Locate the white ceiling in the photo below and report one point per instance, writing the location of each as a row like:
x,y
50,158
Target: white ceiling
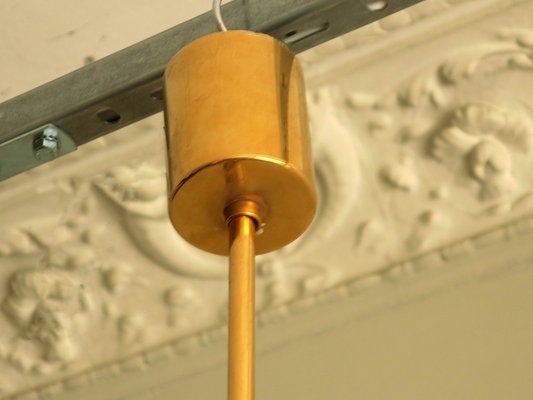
x,y
41,41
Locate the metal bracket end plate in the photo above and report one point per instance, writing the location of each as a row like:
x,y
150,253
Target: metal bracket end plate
x,y
34,148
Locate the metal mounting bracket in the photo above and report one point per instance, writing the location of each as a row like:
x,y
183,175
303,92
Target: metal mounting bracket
x,y
127,86
32,149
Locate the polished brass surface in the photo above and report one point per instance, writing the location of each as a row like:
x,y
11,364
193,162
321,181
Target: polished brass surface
x,y
251,207
241,308
239,165
237,129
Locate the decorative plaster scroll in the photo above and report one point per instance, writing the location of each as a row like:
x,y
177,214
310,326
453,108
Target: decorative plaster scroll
x,y
397,33
485,136
484,133
141,192
401,174
389,275
337,168
47,306
383,28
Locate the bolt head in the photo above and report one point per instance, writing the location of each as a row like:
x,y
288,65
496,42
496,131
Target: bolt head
x,y
46,144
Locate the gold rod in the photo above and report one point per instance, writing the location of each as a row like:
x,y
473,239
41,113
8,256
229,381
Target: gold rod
x,y
241,376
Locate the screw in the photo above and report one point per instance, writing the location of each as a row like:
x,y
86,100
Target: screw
x,y
46,144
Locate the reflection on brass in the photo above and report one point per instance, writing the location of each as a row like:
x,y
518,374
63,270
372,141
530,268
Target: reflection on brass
x,y
240,173
241,309
234,97
252,207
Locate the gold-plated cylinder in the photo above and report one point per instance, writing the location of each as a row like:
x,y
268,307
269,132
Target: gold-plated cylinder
x,y
237,130
241,309
239,165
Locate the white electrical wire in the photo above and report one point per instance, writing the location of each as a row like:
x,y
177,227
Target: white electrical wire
x,y
218,15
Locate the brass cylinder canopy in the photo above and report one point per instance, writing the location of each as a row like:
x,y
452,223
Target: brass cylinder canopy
x,y
237,129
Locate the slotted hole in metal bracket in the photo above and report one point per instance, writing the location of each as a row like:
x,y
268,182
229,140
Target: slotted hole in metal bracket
x,y
108,115
297,35
376,5
157,94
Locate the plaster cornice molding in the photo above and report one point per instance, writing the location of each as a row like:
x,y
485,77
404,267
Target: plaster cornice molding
x,y
383,39
427,275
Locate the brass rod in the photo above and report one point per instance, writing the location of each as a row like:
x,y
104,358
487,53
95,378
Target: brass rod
x,y
241,377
